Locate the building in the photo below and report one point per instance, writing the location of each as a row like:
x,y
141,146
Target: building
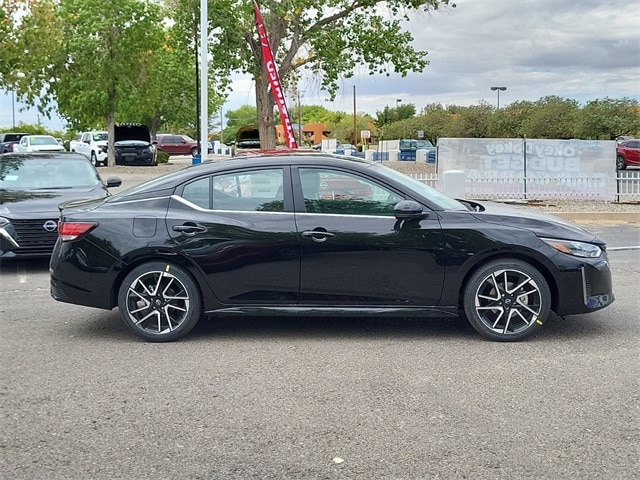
x,y
312,133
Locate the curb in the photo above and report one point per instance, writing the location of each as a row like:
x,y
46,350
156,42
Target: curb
x,y
599,217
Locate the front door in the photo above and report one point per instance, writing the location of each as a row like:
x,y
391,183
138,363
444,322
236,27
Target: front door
x,y
354,250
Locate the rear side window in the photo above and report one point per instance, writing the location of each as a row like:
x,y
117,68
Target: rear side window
x,y
258,190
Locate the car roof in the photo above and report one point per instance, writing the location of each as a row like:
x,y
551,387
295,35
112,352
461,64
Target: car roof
x,y
250,160
41,155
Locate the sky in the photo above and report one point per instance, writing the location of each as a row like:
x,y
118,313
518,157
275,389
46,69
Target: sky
x,y
578,49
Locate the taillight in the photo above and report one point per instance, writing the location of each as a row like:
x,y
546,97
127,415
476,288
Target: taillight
x,y
69,231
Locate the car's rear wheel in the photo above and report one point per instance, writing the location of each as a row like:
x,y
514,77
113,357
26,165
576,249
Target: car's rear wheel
x,y
621,164
159,301
194,152
507,300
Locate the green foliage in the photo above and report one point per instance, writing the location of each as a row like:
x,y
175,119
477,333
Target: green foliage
x,y
245,115
30,129
608,118
163,157
323,38
553,117
395,114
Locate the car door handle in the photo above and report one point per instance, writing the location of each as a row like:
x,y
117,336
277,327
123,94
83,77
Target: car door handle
x,y
189,228
318,235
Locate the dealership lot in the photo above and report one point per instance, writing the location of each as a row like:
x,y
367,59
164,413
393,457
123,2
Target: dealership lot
x,y
317,398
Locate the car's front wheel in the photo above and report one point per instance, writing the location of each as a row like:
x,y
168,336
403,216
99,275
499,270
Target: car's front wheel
x,y
507,300
159,301
621,164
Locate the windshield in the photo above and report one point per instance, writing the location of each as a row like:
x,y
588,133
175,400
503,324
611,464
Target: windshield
x,y
49,173
441,200
423,144
43,141
100,136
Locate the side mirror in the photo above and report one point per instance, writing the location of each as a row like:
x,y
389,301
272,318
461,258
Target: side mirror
x,y
408,210
114,182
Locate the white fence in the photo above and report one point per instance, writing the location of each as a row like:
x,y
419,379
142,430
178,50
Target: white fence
x,y
625,184
531,169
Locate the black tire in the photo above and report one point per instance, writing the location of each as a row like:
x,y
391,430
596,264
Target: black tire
x,y
621,164
194,152
94,159
507,300
159,302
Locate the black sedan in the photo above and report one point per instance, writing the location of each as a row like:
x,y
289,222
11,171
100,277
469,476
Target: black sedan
x,y
310,234
32,185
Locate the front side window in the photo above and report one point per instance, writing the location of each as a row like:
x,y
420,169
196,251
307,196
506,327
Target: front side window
x,y
257,190
336,192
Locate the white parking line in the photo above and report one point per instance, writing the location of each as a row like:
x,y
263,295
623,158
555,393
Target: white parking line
x,y
22,273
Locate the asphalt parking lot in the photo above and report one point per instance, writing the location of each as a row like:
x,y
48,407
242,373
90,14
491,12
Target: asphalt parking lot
x,y
318,398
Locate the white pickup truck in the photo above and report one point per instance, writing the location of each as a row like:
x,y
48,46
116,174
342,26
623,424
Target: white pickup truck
x,y
92,144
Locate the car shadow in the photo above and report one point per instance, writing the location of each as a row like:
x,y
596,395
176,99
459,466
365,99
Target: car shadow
x,y
108,326
31,265
257,328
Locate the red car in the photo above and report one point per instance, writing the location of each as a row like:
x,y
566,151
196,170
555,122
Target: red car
x,y
628,154
177,145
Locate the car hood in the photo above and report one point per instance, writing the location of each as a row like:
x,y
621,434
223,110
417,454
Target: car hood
x,y
540,223
47,148
42,202
131,134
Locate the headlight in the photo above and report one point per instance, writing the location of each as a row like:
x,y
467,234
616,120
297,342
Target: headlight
x,y
577,249
4,222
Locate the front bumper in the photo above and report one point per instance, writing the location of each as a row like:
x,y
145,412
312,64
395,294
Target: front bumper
x,y
592,280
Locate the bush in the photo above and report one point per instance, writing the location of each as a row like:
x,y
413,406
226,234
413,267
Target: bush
x,y
163,157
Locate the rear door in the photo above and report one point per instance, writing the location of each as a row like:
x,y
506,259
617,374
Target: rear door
x,y
235,228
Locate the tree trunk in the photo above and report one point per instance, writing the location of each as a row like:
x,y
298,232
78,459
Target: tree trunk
x,y
111,128
265,105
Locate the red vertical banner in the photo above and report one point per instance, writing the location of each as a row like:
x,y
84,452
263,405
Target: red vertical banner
x,y
274,80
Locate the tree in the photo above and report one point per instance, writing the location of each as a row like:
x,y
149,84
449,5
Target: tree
x,y
90,58
324,37
395,114
609,118
552,117
109,51
473,121
245,115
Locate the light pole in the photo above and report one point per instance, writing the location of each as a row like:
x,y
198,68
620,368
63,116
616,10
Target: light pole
x,y
13,107
498,89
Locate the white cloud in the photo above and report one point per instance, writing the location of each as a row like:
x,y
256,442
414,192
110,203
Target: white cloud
x,y
579,49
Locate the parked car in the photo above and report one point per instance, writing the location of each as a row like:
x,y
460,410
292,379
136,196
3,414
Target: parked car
x,y
345,147
9,140
133,145
32,185
38,143
309,234
247,138
177,144
93,145
628,154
